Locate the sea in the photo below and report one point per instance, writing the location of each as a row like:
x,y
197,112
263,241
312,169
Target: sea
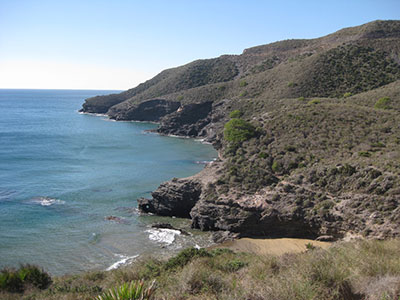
x,y
69,184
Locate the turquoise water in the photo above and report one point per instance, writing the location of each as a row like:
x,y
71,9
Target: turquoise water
x,y
63,173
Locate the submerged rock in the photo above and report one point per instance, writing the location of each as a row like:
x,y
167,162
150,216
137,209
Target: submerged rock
x,y
169,226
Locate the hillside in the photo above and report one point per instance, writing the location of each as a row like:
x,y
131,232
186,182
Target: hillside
x,y
307,131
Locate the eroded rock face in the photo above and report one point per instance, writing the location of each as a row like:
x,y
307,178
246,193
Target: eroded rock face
x,y
101,104
172,198
188,120
151,110
262,214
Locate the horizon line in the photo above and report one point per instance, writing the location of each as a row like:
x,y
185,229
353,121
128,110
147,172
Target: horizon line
x,y
64,89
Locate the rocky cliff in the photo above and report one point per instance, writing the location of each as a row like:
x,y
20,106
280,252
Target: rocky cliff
x,y
307,132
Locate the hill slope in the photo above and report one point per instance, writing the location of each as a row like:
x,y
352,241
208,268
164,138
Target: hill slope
x,y
309,150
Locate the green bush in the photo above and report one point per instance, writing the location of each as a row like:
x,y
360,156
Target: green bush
x,y
301,98
35,276
136,290
310,247
238,130
235,114
314,101
243,83
15,280
383,103
262,155
346,95
233,265
184,257
276,166
10,281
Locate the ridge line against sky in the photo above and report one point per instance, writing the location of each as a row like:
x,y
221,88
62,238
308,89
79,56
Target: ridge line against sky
x,y
119,44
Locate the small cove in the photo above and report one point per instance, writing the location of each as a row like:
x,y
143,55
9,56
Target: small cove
x,y
64,174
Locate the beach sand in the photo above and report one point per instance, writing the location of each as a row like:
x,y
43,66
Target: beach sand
x,y
271,246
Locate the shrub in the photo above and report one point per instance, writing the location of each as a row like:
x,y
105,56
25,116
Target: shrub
x,y
184,257
383,103
35,276
291,84
276,166
310,247
244,94
364,154
238,130
290,148
233,265
10,281
347,169
129,291
235,114
243,83
301,98
346,95
15,280
179,98
314,101
262,155
378,145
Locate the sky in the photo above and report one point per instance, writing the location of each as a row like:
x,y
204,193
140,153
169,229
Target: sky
x,y
117,44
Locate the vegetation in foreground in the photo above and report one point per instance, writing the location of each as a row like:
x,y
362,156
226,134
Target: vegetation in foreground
x,y
351,270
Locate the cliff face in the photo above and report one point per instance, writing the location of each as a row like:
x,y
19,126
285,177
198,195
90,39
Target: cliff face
x,y
315,154
151,110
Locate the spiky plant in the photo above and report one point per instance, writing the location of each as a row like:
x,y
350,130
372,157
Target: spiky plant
x,y
136,290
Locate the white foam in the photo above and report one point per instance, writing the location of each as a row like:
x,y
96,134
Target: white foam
x,y
124,261
203,162
163,235
91,114
47,201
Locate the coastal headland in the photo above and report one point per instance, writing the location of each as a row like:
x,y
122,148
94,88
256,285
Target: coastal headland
x,y
306,130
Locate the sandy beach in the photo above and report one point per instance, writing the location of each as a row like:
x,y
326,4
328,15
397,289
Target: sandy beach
x,y
271,246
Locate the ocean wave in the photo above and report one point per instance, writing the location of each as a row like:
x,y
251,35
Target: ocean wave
x,y
163,235
125,260
6,195
46,201
203,162
91,114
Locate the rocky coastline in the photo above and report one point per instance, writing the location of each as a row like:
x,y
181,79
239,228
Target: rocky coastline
x,y
313,159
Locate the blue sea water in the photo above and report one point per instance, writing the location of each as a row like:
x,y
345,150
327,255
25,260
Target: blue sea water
x,y
63,173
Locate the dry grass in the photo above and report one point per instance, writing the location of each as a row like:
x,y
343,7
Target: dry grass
x,y
351,270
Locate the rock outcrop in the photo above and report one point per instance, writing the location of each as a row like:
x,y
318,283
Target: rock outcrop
x,y
188,120
151,110
172,198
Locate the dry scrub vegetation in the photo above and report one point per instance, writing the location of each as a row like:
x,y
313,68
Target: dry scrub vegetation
x,y
346,270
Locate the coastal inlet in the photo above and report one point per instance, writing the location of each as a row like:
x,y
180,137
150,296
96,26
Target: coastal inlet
x,y
69,184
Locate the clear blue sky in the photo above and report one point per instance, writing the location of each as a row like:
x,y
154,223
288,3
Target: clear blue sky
x,y
117,44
